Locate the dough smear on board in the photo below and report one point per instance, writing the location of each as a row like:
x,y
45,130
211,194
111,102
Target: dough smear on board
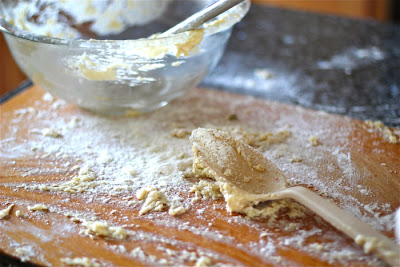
x,y
241,191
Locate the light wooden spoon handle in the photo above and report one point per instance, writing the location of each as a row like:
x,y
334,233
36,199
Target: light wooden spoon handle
x,y
362,233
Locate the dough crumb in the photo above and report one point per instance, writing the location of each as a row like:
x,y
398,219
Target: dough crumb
x,y
82,261
25,253
46,132
259,139
392,136
138,253
368,243
295,159
259,168
177,63
205,189
189,46
51,133
100,228
5,212
154,200
317,247
238,201
38,207
263,74
84,175
203,261
180,133
314,140
177,211
132,113
131,171
371,244
232,117
48,97
228,172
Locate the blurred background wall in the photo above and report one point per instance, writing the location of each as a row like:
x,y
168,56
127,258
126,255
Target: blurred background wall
x,y
375,9
381,10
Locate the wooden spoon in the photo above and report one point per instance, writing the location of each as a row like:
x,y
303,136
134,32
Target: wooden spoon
x,y
234,163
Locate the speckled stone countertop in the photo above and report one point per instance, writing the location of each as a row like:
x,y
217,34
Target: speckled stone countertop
x,y
340,65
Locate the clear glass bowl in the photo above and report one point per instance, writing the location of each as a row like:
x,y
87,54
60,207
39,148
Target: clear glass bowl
x,y
99,56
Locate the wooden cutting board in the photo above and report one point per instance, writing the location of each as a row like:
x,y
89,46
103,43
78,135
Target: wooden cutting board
x,y
45,141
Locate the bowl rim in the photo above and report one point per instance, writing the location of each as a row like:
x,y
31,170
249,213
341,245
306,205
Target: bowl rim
x,y
10,29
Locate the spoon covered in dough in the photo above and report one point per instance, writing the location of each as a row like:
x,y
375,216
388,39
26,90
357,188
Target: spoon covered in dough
x,y
247,178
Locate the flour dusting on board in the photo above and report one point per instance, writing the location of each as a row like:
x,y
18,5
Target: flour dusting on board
x,y
144,164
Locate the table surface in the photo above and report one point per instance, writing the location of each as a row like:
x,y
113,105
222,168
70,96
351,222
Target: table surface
x,y
44,141
339,65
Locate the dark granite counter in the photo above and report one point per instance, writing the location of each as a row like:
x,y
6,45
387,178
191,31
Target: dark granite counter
x,y
340,65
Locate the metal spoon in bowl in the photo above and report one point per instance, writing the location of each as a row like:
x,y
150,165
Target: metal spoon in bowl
x,y
200,17
233,162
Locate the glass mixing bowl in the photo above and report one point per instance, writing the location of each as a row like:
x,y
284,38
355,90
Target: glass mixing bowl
x,y
105,56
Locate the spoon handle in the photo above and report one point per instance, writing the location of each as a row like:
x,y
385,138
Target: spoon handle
x,y
201,17
362,233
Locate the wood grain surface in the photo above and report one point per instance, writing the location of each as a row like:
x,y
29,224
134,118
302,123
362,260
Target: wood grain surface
x,y
368,187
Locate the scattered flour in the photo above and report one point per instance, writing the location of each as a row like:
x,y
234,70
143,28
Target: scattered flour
x,y
120,157
25,253
78,184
